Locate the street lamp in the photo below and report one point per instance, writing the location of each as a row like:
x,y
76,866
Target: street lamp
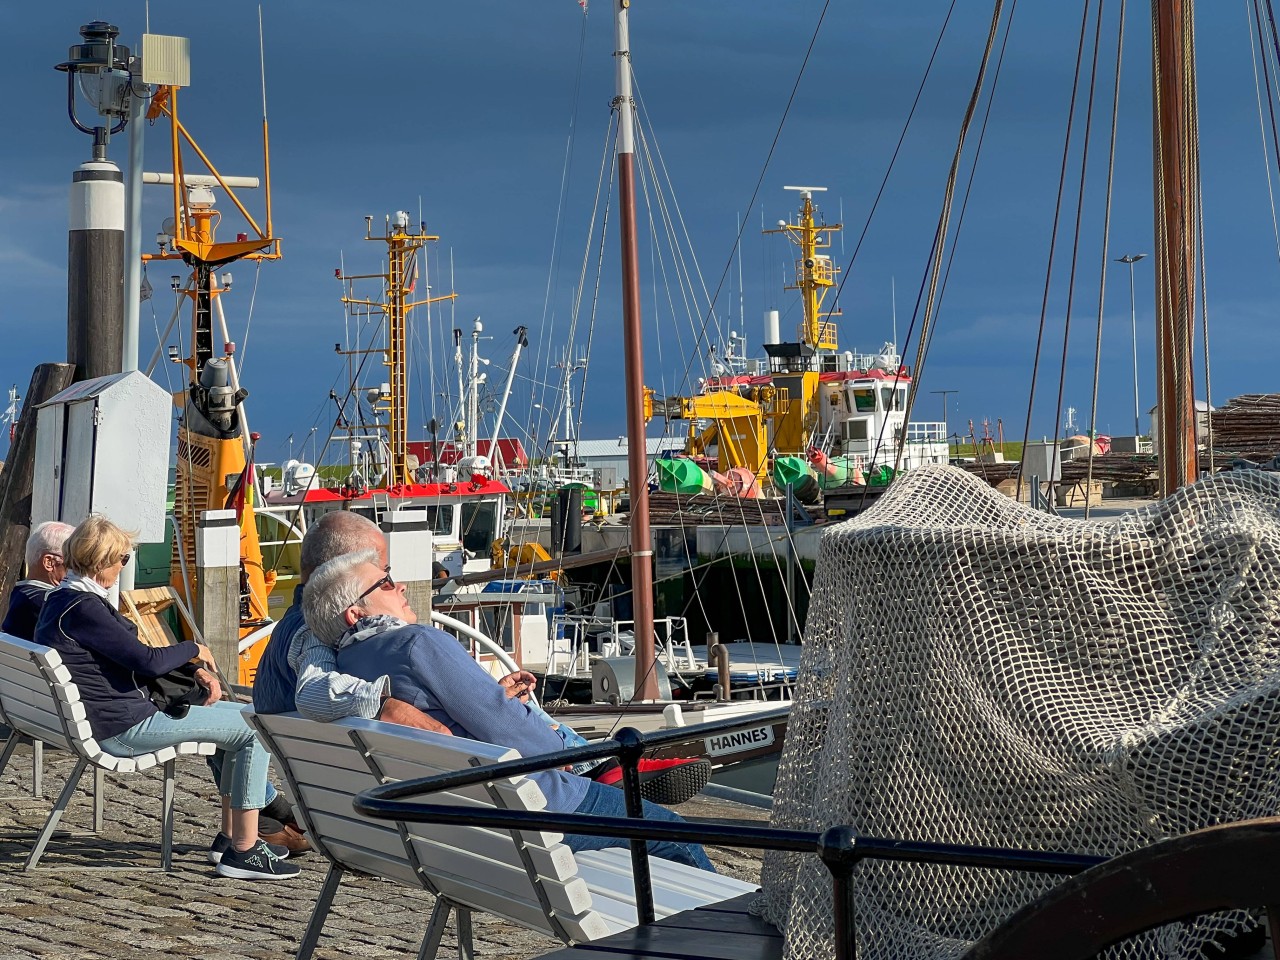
x,y
100,67
1131,259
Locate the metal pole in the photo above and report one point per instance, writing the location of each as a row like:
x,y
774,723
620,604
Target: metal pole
x,y
637,448
133,236
946,433
1131,259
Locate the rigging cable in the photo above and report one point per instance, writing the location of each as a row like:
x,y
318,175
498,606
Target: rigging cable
x,y
1106,237
1075,240
773,146
541,355
1254,48
1053,242
1199,225
935,269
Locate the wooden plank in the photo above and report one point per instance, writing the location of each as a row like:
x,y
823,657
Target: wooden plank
x,y
145,608
739,905
674,939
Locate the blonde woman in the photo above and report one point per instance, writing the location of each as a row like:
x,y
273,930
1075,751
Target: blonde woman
x,y
110,666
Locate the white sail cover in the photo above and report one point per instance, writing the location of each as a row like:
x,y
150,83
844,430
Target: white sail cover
x,y
975,672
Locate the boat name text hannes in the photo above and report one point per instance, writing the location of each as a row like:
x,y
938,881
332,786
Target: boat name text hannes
x,y
739,740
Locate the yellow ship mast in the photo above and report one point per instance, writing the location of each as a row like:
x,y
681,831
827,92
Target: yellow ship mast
x,y
815,273
399,282
214,465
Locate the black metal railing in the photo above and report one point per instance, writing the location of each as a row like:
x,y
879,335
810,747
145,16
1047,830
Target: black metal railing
x,y
840,849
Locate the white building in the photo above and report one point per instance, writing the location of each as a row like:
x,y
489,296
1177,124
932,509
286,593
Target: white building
x,y
612,454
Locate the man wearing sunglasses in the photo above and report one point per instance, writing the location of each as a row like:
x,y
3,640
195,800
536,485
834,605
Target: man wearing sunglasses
x,y
353,604
45,570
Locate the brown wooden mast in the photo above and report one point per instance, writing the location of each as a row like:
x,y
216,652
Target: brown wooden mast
x,y
637,449
1176,199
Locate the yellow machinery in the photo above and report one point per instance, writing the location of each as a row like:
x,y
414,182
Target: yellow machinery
x,y
737,427
737,424
215,453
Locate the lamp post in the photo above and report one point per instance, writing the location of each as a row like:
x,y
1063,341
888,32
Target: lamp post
x,y
1131,259
99,68
945,432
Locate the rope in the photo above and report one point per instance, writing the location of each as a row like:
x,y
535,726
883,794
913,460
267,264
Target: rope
x,y
935,269
1262,128
773,146
1106,256
1075,240
1053,243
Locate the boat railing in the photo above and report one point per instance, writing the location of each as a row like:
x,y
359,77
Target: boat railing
x,y
671,637
840,848
926,432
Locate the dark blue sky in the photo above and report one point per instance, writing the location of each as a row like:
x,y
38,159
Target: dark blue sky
x,y
465,108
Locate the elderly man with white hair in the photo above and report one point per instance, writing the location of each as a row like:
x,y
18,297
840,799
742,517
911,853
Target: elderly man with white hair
x,y
45,570
352,604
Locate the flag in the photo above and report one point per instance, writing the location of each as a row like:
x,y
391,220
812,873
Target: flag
x,y
411,275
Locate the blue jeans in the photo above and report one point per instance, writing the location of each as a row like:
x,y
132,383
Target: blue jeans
x,y
570,737
244,761
610,802
215,766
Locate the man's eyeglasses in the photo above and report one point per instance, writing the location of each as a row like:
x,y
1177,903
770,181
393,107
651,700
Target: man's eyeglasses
x,y
384,583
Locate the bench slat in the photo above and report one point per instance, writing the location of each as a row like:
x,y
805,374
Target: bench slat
x,y
355,857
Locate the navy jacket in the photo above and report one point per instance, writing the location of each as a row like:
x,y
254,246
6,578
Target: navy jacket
x,y
25,601
107,661
275,683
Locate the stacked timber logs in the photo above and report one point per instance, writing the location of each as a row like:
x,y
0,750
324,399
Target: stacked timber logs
x,y
1247,428
675,509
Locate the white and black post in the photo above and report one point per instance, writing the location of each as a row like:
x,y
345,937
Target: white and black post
x,y
95,270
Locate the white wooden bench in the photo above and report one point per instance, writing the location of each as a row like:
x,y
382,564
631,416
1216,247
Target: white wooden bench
x,y
41,702
530,878
11,744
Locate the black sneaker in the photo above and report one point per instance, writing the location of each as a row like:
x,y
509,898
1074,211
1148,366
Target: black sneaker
x,y
256,863
222,843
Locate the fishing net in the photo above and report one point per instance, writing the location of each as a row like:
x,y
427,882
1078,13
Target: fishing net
x,y
975,672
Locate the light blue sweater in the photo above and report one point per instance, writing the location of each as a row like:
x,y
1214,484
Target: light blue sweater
x,y
432,671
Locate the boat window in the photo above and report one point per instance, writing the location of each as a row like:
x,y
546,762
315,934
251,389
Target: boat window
x,y
479,526
887,397
856,429
902,398
864,401
440,517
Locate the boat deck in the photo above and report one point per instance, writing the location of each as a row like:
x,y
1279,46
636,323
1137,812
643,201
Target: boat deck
x,y
756,662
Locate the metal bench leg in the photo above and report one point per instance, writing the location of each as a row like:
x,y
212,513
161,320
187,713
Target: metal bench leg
x,y
166,818
10,745
320,912
99,791
466,950
435,929
63,799
37,768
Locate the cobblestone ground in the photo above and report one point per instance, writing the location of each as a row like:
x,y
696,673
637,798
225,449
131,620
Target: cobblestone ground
x,y
77,909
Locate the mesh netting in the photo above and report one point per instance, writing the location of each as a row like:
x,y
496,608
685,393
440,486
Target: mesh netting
x,y
975,672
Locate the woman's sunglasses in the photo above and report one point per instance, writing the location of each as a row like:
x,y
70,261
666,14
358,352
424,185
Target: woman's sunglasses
x,y
385,581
